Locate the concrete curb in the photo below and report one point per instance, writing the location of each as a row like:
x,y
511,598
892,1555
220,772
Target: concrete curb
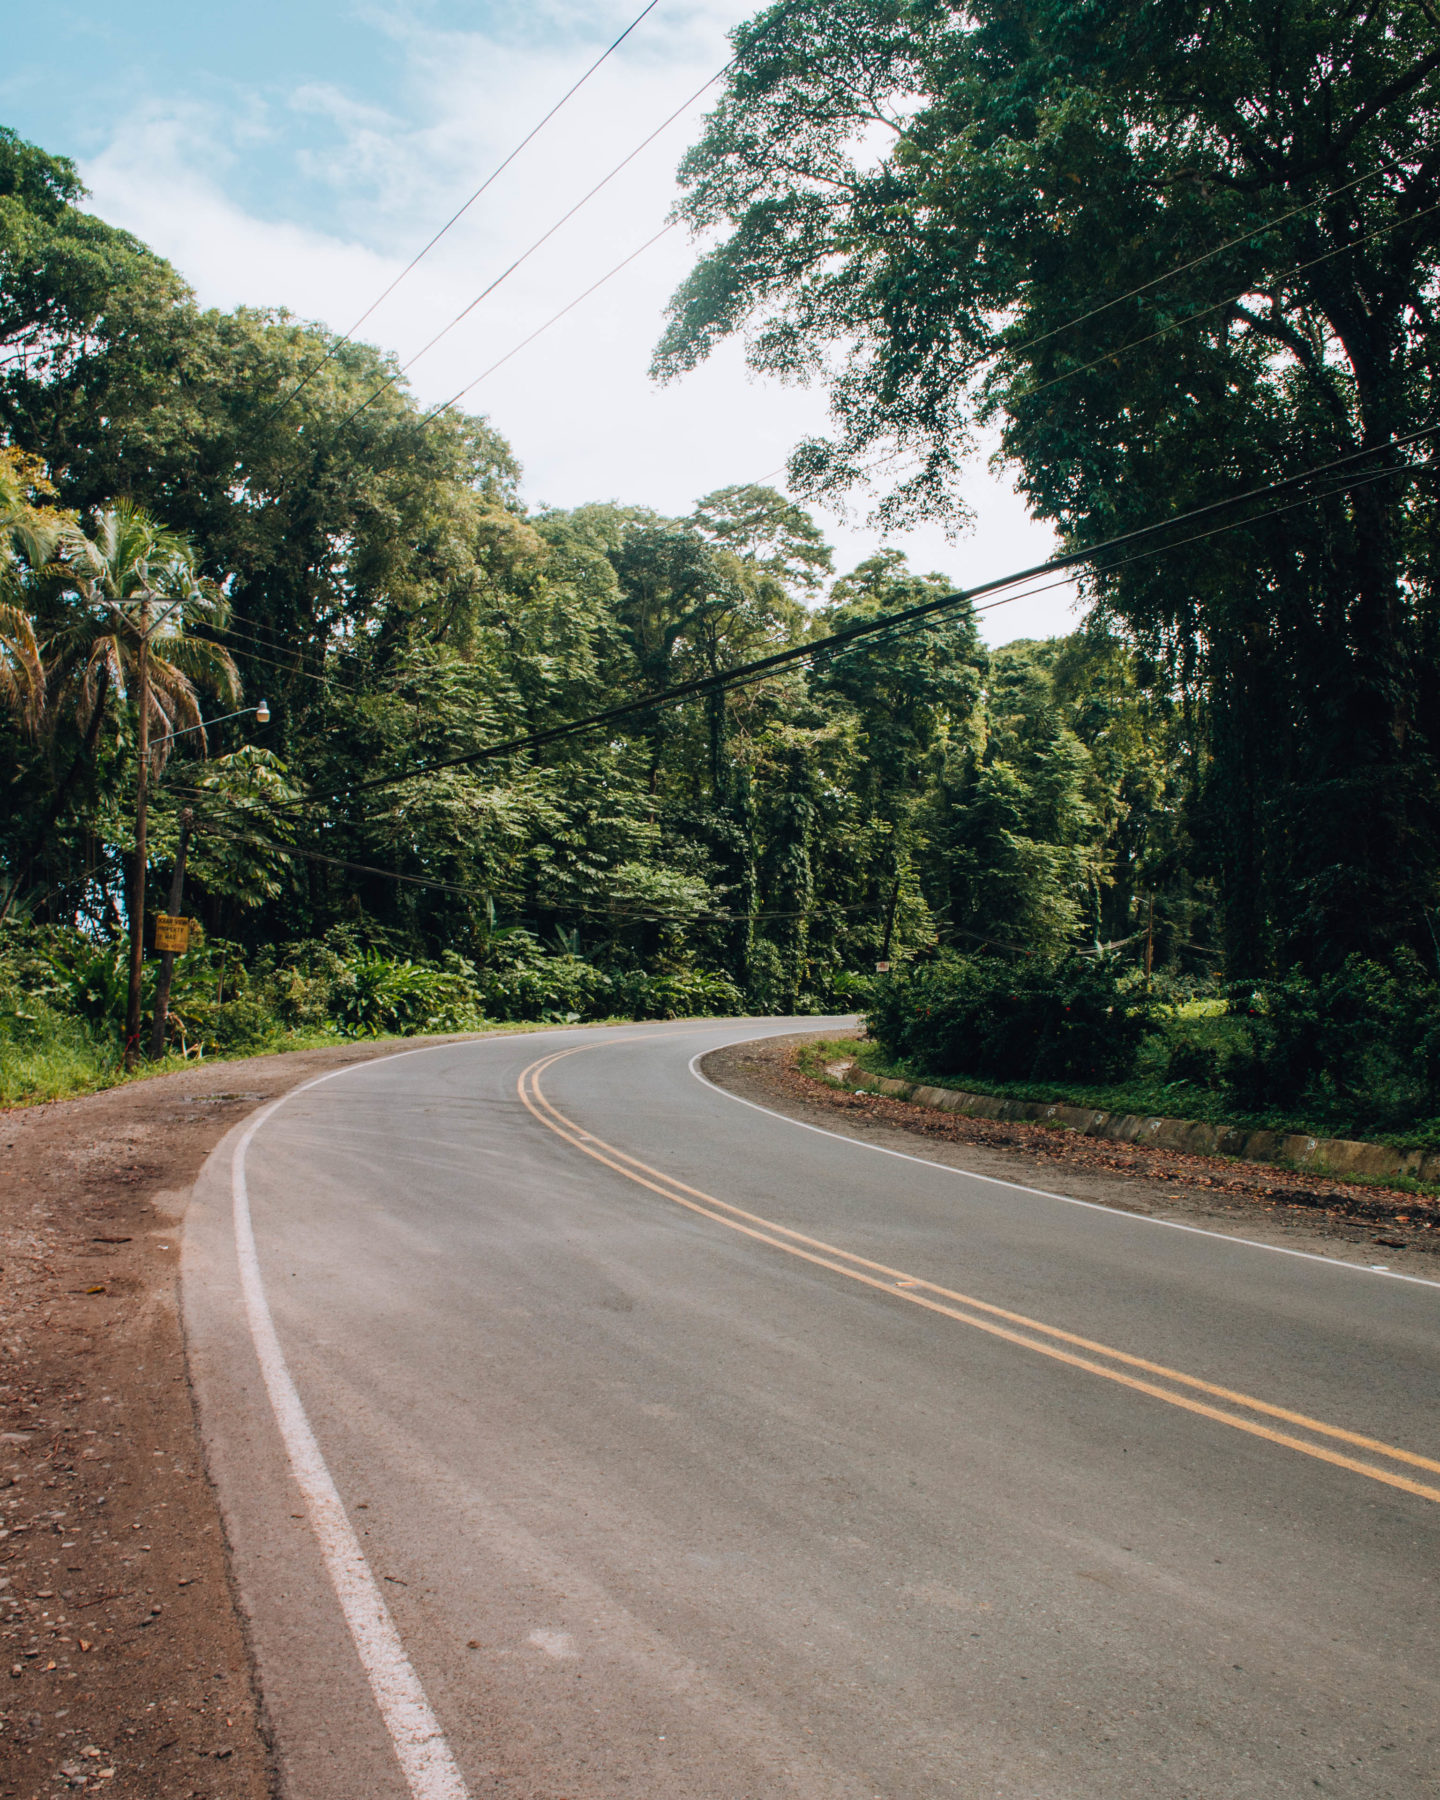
x,y
1323,1156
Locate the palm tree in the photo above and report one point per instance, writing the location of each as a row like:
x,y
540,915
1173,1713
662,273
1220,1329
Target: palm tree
x,y
29,538
132,596
22,674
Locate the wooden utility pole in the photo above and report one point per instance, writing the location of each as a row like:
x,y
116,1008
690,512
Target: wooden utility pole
x,y
890,917
142,801
167,960
1150,943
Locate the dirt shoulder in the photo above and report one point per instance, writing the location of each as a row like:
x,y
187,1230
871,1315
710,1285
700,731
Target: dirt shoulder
x,y
1358,1223
123,1662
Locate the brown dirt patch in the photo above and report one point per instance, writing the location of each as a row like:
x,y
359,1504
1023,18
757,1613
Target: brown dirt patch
x,y
1398,1229
123,1661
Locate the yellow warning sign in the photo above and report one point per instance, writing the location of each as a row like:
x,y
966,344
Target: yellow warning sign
x,y
172,934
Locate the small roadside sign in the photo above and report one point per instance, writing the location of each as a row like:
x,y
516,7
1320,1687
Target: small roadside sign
x,y
172,935
882,968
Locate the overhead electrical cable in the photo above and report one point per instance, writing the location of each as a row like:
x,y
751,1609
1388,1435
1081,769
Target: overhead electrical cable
x,y
204,796
1205,256
1113,356
781,658
554,319
460,212
251,655
564,219
526,254
1109,356
762,666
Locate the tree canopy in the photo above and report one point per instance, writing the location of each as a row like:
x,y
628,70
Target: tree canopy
x,y
1171,252
1231,754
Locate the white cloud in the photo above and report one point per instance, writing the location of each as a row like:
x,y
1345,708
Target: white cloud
x,y
151,181
578,405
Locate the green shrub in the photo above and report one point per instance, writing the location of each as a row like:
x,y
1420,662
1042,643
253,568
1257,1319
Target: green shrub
x,y
545,990
94,976
1046,1019
1359,1046
378,994
684,994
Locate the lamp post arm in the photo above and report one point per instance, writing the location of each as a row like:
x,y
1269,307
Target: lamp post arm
x,y
244,712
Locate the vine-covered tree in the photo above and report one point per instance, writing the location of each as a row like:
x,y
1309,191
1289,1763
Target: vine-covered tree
x,y
1175,251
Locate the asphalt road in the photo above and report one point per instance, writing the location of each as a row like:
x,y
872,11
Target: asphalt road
x,y
698,1454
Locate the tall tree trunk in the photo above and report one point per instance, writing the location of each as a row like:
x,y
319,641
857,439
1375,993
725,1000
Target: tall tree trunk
x,y
137,879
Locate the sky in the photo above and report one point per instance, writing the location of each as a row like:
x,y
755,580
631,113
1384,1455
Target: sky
x,y
299,155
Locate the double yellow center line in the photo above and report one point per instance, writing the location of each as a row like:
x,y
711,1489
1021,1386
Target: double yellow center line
x,y
1172,1386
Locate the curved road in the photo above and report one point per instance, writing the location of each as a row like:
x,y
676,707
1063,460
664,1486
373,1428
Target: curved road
x,y
695,1453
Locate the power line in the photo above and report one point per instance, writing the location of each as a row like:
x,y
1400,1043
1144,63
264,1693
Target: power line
x,y
763,666
526,254
251,655
1120,350
781,658
564,219
895,624
456,216
1109,356
1245,237
1009,350
554,319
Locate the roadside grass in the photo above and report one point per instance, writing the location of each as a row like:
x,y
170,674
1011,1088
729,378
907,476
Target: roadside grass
x,y
70,1059
1149,1098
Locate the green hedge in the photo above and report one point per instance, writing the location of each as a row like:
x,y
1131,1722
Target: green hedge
x,y
1043,1019
1353,1052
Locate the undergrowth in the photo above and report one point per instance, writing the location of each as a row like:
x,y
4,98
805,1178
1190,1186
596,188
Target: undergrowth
x,y
63,997
1152,1098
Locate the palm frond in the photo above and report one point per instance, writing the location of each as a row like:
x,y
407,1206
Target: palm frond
x,y
173,708
209,665
22,672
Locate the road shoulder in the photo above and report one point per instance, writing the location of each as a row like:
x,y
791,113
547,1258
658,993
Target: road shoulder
x,y
126,1666
1241,1199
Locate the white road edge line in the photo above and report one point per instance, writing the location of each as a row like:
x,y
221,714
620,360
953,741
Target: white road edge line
x,y
1330,1262
420,1745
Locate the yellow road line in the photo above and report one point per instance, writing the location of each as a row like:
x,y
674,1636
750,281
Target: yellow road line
x,y
918,1292
906,1281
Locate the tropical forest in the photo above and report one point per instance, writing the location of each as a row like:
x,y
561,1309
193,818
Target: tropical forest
x,y
287,655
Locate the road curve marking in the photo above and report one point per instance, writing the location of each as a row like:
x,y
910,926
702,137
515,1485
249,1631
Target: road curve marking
x,y
420,1746
933,1298
1020,1187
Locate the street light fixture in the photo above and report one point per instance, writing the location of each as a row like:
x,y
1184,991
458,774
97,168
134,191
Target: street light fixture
x,y
261,712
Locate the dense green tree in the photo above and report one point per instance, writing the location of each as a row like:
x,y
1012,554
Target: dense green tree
x,y
772,534
84,308
1177,251
377,578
